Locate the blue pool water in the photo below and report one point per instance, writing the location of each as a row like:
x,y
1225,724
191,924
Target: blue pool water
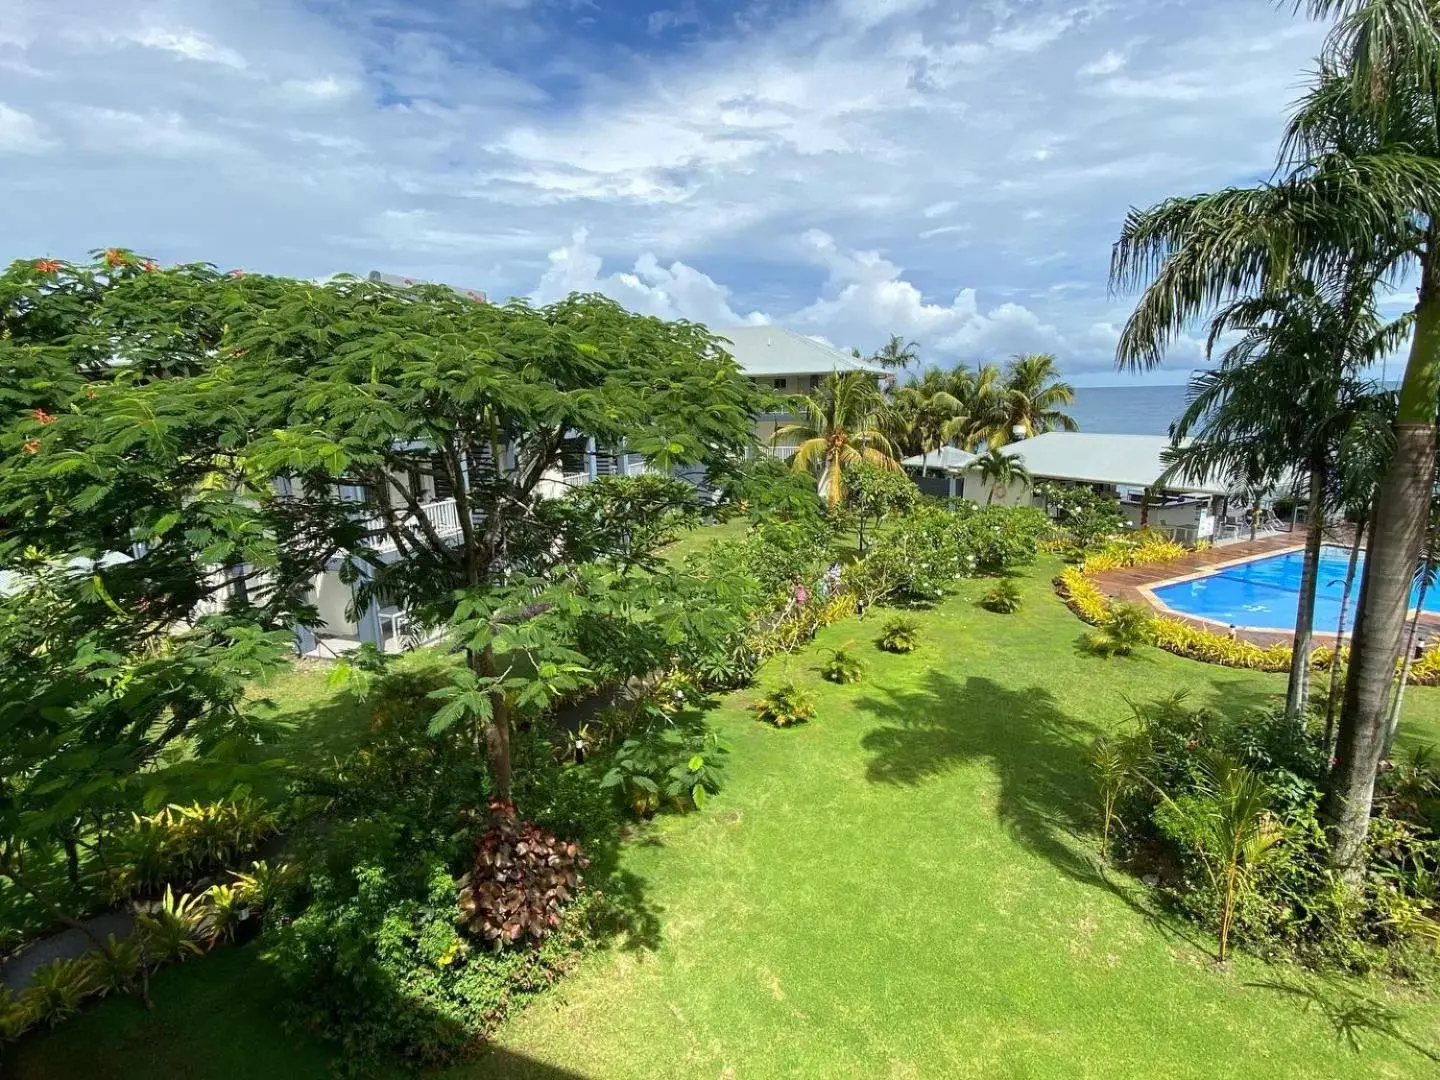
x,y
1264,592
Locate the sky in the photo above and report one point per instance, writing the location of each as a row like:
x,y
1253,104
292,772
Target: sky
x,y
952,172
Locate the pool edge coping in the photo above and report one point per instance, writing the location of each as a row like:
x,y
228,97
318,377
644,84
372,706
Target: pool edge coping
x,y
1148,591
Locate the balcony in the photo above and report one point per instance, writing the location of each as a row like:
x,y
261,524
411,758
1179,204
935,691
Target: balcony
x,y
442,514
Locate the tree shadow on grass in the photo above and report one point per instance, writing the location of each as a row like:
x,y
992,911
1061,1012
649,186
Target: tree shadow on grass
x,y
1047,797
1351,1015
1037,751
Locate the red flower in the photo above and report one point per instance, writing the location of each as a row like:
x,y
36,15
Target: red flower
x,y
149,266
47,266
1190,745
33,446
89,391
116,257
1334,761
42,417
237,273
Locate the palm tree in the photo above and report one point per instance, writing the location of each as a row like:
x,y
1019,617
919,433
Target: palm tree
x,y
1032,398
1281,397
1000,470
896,353
918,412
1425,574
838,427
981,414
1359,185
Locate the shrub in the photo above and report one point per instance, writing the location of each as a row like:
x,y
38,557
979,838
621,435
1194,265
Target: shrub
x,y
261,887
785,706
522,880
374,961
1004,598
900,635
842,667
117,965
17,1014
1138,549
57,989
1123,630
178,844
1087,517
225,910
173,926
1225,812
683,766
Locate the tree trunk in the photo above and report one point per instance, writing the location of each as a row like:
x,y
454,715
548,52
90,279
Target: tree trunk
x,y
1254,519
1145,510
497,732
1299,687
1405,664
1340,633
1401,514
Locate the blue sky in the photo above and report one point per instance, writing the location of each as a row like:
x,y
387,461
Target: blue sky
x,y
952,172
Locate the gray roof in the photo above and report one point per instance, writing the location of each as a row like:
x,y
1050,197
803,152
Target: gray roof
x,y
946,457
1126,460
772,350
404,282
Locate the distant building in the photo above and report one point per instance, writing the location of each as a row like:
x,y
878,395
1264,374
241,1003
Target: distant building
x,y
1126,466
785,362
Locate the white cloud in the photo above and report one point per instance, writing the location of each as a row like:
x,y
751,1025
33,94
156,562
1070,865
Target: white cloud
x,y
676,291
185,43
323,88
969,164
20,133
1108,63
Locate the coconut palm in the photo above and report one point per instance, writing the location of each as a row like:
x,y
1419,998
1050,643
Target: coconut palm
x,y
981,414
1359,185
1001,471
1032,399
838,426
918,412
896,353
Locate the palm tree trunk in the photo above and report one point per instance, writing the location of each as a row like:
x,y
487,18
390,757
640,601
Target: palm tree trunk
x,y
1299,686
1340,632
1405,664
1254,518
1401,514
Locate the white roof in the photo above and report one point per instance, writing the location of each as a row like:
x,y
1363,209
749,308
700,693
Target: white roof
x,y
946,457
772,350
1125,460
399,282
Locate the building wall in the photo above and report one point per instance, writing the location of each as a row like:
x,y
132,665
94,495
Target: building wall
x,y
332,599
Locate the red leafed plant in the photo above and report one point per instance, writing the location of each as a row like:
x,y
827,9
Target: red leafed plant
x,y
522,880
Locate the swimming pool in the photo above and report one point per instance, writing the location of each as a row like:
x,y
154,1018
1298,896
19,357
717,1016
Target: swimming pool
x,y
1262,593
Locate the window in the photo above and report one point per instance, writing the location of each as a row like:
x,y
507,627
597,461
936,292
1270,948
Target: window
x,y
815,381
778,384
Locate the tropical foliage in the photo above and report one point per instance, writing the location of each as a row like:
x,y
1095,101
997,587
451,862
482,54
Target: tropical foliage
x,y
1354,200
838,426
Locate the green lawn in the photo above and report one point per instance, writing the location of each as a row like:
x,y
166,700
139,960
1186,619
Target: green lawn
x,y
905,887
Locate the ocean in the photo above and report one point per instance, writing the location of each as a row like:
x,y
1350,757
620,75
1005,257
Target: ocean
x,y
1127,410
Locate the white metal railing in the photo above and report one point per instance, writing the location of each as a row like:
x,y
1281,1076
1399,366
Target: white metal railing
x,y
575,479
782,452
442,514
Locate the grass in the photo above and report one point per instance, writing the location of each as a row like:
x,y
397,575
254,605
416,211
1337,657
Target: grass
x,y
904,887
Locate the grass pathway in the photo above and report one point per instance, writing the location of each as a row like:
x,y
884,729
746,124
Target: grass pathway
x,y
903,888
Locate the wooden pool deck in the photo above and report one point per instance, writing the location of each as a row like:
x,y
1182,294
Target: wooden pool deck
x,y
1133,584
